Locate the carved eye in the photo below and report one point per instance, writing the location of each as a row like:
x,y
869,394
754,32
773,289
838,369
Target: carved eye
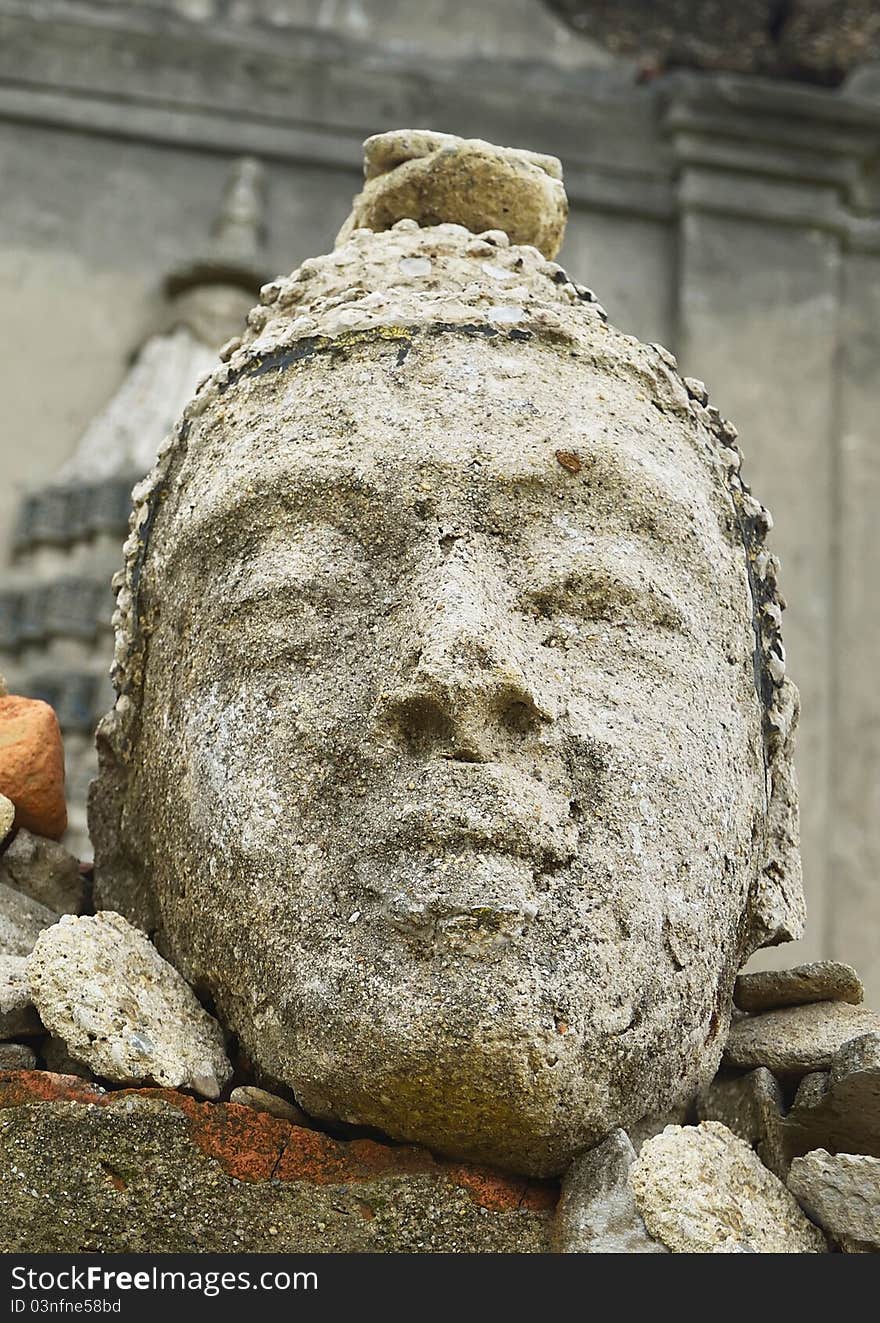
x,y
590,594
596,594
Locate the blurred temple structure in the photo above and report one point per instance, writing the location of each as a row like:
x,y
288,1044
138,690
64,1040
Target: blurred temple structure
x,y
55,635
723,164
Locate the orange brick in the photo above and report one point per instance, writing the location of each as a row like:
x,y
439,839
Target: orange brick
x,y
32,765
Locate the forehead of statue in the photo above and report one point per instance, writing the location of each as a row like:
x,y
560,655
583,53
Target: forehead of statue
x,y
464,470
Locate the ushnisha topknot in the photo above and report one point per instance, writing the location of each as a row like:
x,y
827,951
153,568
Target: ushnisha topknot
x,y
432,178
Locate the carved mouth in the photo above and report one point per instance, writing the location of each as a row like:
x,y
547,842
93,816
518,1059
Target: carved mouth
x,y
488,808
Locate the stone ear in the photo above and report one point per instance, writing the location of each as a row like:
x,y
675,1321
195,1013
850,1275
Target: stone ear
x,y
776,909
121,882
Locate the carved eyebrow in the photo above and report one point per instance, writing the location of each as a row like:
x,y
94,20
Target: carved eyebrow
x,y
644,501
266,507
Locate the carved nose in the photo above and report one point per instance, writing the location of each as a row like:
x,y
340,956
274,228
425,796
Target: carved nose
x,y
466,693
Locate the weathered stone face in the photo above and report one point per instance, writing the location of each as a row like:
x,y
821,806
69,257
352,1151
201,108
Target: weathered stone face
x,y
439,761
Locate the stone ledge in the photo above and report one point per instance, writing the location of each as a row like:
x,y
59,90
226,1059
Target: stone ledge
x,y
225,1147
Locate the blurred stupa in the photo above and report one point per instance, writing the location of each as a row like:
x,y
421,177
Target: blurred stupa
x,y
55,603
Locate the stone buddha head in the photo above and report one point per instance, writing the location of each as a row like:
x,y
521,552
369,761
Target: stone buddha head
x,y
451,754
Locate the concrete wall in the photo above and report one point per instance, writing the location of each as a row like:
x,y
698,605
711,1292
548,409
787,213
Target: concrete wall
x,y
735,220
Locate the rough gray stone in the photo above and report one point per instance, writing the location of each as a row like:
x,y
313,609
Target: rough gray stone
x,y
857,1056
7,816
435,809
102,987
45,871
798,1039
840,1109
751,1106
701,1190
21,921
822,980
55,1057
17,1056
842,1194
139,1174
596,1213
811,1089
17,1013
248,1095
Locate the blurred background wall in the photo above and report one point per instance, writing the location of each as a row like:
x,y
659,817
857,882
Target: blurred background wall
x,y
723,166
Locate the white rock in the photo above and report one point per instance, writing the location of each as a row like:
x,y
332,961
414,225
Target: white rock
x,y
7,816
102,987
701,1190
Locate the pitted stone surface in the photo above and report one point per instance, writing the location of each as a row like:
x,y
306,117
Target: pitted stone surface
x,y
102,987
436,808
17,1056
596,1213
261,1100
798,1039
840,1109
823,980
436,177
17,1013
55,1057
159,1172
701,1190
7,817
751,1106
45,871
22,919
842,1194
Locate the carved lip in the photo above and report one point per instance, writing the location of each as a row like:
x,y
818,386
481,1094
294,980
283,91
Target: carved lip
x,y
424,829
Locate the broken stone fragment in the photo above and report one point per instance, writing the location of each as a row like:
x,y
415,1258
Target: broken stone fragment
x,y
7,817
797,1039
55,1057
655,1122
811,1089
839,1109
822,980
596,1213
842,1194
45,871
102,987
21,921
751,1107
17,1056
262,1101
18,1018
32,765
701,1190
434,178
